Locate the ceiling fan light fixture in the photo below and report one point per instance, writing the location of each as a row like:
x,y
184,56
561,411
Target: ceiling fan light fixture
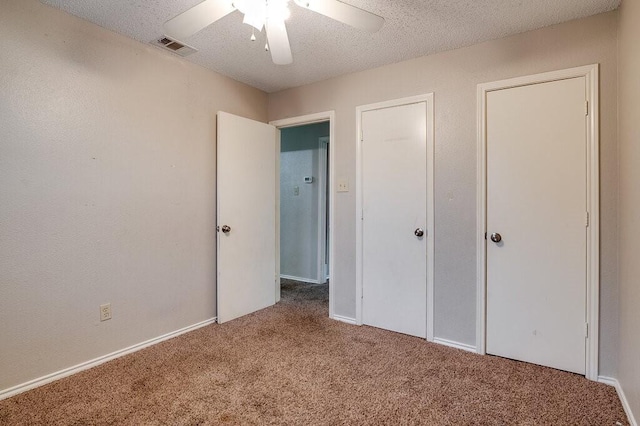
x,y
303,3
258,12
256,21
278,10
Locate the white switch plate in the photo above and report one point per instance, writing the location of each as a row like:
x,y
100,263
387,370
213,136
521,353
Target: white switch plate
x,y
296,191
343,185
105,312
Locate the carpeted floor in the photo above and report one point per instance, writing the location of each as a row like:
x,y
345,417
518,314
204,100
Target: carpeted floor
x,y
290,364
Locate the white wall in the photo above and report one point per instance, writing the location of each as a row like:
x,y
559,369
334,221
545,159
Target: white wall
x,y
629,205
453,77
299,213
107,189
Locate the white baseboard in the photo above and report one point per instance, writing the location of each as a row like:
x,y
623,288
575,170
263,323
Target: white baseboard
x,y
623,399
608,381
304,280
457,345
8,393
348,320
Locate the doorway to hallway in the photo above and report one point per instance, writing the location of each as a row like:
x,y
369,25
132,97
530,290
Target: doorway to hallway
x,y
304,204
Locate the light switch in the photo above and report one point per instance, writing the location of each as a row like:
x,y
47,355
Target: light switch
x,y
343,185
296,190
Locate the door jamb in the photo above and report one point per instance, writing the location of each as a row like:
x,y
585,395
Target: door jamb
x,y
323,144
300,121
429,100
590,72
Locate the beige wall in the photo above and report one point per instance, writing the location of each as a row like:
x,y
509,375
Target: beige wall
x,y
107,189
629,205
453,77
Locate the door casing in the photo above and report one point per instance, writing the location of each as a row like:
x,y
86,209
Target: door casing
x,y
590,72
323,201
429,100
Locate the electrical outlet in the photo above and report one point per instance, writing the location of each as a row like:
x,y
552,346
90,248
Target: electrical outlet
x,y
343,185
105,312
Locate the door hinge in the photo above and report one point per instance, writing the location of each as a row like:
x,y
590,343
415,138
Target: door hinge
x,y
586,219
586,107
586,329
362,214
361,136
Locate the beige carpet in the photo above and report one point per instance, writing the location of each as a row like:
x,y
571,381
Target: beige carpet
x,y
291,365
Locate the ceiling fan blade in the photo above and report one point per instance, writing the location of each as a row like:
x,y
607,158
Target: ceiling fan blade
x,y
279,42
198,17
345,13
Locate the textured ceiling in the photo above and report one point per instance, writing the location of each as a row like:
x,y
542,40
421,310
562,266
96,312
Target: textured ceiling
x,y
323,48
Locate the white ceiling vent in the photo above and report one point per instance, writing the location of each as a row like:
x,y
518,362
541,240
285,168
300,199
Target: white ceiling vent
x,y
174,46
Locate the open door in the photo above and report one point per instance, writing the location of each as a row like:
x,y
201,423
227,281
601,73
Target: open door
x,y
246,179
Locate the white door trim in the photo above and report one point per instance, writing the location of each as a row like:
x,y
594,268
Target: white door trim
x,y
428,99
323,143
590,72
300,121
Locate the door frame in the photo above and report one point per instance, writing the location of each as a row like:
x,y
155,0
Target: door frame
x,y
323,196
429,100
590,72
301,121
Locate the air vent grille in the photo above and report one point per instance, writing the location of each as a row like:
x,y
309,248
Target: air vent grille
x,y
174,46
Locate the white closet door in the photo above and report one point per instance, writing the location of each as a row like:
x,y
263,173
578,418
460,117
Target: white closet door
x,y
536,201
394,197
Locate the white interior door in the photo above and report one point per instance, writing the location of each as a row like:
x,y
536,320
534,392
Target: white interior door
x,y
536,201
246,177
394,204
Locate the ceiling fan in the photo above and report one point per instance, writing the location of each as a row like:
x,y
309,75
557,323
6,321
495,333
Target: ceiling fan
x,y
268,14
